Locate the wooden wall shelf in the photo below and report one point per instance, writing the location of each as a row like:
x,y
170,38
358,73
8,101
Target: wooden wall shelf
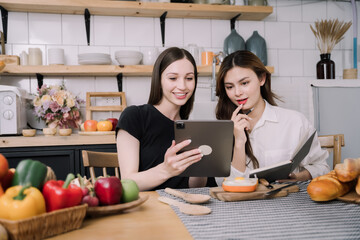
x,y
91,70
138,9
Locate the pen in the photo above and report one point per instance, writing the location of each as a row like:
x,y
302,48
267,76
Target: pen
x,y
247,113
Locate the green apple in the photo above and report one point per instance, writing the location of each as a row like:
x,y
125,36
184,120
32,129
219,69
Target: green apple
x,y
130,190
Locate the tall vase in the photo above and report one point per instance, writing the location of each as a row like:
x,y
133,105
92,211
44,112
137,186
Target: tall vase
x,y
325,68
233,43
257,45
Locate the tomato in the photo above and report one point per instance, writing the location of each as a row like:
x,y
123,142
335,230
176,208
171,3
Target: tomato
x,y
90,125
104,126
4,166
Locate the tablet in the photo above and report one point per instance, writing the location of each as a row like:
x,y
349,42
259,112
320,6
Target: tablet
x,y
214,138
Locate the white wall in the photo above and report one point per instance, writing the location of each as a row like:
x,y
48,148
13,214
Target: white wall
x,y
291,47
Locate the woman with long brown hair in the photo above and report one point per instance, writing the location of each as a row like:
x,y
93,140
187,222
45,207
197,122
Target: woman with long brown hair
x,y
146,148
264,133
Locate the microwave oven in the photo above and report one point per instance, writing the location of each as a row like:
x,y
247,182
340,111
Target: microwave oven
x,y
13,102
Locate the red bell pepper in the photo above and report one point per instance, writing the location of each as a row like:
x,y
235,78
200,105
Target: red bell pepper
x,y
60,194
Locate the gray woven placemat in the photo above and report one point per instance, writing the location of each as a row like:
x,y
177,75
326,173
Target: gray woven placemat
x,y
293,217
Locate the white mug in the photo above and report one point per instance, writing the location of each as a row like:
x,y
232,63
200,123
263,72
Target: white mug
x,y
150,55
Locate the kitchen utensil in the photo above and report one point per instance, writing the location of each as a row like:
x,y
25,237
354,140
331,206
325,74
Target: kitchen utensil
x,y
271,193
65,131
257,45
234,41
49,131
99,211
185,207
23,58
351,197
265,183
220,194
127,57
35,56
10,59
188,197
240,184
257,2
150,55
56,56
207,58
28,132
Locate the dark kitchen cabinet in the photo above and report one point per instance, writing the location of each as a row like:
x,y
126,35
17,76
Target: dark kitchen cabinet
x,y
62,159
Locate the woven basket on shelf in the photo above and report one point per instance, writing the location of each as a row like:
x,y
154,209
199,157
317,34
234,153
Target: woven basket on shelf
x,y
47,224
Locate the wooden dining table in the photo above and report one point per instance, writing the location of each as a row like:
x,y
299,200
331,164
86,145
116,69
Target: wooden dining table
x,y
151,220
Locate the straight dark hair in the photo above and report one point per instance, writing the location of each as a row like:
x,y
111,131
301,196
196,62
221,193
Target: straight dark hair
x,y
166,58
225,107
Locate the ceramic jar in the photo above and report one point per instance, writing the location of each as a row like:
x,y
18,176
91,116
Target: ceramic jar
x,y
233,43
35,56
257,45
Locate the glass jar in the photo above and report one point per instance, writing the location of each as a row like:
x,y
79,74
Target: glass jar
x,y
325,68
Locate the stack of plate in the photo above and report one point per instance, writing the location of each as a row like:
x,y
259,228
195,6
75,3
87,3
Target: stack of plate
x,y
94,59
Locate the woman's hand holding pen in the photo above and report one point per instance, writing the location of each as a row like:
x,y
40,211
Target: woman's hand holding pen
x,y
241,123
177,163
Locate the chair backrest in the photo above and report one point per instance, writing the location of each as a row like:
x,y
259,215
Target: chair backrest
x,y
334,142
100,160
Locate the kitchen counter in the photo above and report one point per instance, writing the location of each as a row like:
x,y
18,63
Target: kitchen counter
x,y
41,140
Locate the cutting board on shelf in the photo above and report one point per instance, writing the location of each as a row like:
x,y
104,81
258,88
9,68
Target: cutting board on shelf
x,y
10,59
352,197
259,193
96,133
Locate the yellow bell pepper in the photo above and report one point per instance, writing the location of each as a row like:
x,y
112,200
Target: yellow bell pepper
x,y
20,202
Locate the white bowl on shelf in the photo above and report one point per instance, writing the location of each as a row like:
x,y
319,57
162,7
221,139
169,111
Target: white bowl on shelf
x,y
128,57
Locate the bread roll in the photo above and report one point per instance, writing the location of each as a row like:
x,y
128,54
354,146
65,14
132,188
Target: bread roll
x,y
349,170
328,187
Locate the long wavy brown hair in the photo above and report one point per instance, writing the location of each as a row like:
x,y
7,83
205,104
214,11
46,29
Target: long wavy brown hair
x,y
225,107
167,57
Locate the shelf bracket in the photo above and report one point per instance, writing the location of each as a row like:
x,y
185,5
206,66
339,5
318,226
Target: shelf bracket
x,y
119,78
87,25
232,21
4,18
40,79
162,26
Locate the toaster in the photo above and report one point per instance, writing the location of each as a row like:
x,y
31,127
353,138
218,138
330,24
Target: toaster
x,y
12,110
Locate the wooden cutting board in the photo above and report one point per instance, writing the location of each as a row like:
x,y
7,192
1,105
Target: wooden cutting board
x,y
10,59
352,197
97,133
259,193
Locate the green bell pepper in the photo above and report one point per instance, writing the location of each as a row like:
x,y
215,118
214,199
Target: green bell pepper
x,y
30,171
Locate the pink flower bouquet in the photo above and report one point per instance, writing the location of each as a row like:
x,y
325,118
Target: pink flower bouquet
x,y
57,107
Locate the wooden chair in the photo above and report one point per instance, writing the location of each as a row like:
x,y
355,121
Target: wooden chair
x,y
333,142
100,160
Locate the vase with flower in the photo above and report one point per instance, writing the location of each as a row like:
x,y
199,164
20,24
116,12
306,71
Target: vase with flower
x,y
58,107
328,33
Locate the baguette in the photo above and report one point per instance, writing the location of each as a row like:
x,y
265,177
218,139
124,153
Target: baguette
x,y
328,187
349,170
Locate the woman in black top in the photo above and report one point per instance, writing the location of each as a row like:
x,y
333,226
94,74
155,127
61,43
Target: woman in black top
x,y
145,145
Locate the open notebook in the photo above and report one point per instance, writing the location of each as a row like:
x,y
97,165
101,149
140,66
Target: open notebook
x,y
282,169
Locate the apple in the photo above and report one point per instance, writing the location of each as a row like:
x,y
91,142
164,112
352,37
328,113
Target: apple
x,y
130,190
90,125
114,122
108,190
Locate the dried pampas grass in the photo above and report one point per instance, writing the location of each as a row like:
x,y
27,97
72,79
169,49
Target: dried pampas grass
x,y
328,33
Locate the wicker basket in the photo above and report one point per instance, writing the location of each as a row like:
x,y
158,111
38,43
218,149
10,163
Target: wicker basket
x,y
47,224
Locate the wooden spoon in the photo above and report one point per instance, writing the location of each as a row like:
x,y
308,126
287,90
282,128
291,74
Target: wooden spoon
x,y
188,197
185,207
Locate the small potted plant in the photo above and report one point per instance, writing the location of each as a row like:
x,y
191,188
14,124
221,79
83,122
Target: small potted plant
x,y
58,107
